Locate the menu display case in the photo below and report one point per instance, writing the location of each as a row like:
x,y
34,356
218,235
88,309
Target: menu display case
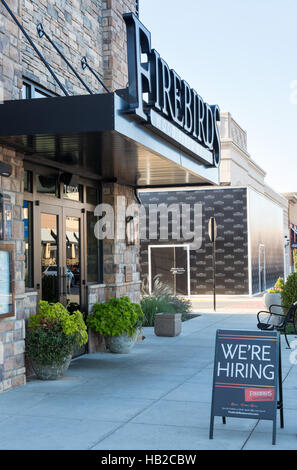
x,y
7,281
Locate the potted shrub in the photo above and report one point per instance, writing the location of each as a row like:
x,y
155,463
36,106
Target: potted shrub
x,y
119,321
289,291
51,337
273,296
165,312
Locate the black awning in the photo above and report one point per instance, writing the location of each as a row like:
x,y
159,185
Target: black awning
x,y
94,133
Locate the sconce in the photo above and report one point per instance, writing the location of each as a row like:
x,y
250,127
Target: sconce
x,y
130,230
5,169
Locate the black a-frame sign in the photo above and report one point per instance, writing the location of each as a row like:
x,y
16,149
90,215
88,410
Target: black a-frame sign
x,y
247,377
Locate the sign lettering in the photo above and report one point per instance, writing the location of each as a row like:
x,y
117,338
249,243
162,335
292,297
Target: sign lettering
x,y
154,86
246,376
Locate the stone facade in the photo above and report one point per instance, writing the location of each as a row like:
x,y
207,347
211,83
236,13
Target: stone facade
x,y
11,44
117,255
12,329
91,28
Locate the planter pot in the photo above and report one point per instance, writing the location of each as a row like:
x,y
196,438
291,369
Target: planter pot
x,y
51,372
168,324
121,344
274,299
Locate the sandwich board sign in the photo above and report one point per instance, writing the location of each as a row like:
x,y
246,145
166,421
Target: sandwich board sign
x,y
247,380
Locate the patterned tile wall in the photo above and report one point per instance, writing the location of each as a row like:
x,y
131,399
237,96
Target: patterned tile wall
x,y
229,206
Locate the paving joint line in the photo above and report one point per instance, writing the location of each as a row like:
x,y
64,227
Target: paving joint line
x,y
145,409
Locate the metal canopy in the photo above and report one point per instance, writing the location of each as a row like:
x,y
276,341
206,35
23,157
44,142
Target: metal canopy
x,y
94,135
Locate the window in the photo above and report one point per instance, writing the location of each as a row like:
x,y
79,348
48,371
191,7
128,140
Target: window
x,y
47,185
73,193
28,181
31,90
28,239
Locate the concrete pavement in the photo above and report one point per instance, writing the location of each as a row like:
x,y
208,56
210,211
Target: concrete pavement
x,y
228,303
158,397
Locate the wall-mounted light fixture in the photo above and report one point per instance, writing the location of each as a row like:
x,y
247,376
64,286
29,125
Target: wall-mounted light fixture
x,y
5,169
130,230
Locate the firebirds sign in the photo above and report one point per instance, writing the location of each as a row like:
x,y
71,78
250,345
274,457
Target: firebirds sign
x,y
246,376
159,97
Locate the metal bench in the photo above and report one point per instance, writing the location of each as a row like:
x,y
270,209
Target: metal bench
x,y
289,318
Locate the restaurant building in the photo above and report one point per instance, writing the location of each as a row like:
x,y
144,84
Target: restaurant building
x,y
252,228
291,240
84,122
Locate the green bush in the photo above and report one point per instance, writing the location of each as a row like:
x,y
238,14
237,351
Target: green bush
x,y
49,345
159,288
115,317
289,293
54,333
153,304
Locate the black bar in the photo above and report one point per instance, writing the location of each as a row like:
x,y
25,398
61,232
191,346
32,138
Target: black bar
x,y
211,427
274,433
35,48
212,398
280,379
214,275
85,64
42,33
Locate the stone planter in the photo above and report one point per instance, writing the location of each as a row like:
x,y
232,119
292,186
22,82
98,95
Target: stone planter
x,y
121,344
51,372
168,324
274,299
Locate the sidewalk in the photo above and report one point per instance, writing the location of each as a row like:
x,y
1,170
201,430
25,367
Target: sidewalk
x,y
157,397
228,304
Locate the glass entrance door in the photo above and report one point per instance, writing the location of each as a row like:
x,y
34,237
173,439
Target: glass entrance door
x,y
171,264
60,267
72,242
50,256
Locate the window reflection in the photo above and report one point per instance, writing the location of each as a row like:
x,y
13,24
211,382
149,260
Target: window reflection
x,y
49,257
28,240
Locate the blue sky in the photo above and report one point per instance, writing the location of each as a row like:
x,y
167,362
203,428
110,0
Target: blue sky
x,y
242,55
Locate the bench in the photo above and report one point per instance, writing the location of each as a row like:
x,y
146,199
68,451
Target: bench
x,y
268,322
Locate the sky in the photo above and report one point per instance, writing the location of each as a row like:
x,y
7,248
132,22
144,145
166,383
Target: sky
x,y
241,55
